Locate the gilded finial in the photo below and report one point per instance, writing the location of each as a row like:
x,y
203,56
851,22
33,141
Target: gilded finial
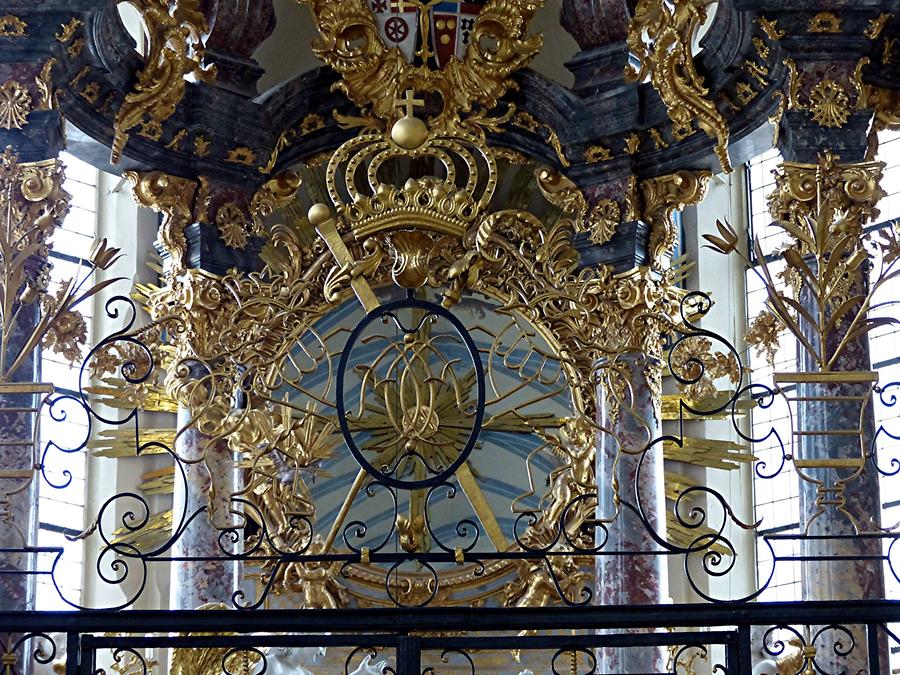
x,y
409,132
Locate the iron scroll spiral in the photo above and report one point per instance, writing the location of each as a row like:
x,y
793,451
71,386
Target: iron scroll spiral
x,y
390,311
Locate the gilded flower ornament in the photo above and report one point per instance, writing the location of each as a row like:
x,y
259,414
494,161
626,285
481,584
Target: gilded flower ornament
x,y
67,335
15,104
763,336
829,104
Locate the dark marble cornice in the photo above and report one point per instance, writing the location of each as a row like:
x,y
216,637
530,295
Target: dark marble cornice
x,y
591,116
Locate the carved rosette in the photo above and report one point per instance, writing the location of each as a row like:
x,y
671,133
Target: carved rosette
x,y
851,189
26,89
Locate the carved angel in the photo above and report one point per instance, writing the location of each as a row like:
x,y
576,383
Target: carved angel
x,y
572,480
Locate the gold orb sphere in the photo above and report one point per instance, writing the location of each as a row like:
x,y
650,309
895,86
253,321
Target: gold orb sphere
x,y
409,132
318,214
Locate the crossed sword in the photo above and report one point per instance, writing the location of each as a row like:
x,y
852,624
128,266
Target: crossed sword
x,y
320,217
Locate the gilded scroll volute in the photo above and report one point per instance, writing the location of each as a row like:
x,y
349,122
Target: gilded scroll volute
x,y
661,38
176,32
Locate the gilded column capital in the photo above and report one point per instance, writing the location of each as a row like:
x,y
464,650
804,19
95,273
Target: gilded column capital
x,y
850,189
196,307
641,307
662,197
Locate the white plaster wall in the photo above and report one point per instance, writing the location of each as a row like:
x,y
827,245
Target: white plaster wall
x,y
723,277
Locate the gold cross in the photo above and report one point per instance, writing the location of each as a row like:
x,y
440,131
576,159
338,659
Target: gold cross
x,y
404,5
409,102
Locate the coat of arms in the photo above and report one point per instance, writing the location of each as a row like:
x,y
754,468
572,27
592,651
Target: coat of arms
x,y
432,31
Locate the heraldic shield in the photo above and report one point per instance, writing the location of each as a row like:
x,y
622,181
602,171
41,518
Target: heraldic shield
x,y
429,32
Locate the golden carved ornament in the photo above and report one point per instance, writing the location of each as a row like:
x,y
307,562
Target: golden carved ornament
x,y
777,115
231,221
829,104
876,26
15,104
660,37
662,197
12,26
562,193
823,208
770,28
373,76
242,155
886,103
273,194
176,31
604,220
824,22
411,251
597,153
33,204
600,220
67,30
632,143
801,189
173,197
44,83
451,205
828,101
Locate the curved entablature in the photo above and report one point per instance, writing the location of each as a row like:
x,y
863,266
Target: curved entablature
x,y
589,133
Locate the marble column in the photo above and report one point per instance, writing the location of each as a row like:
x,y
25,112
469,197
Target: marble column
x,y
237,29
600,27
832,579
18,478
33,192
211,480
630,409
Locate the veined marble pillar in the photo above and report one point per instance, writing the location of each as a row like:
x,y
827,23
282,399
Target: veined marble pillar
x,y
201,582
632,569
839,490
206,230
630,475
18,476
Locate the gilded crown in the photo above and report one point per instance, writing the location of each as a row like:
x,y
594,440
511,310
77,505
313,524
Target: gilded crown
x,y
454,178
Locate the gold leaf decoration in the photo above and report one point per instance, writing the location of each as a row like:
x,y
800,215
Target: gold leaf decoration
x,y
829,104
660,36
176,49
15,104
232,223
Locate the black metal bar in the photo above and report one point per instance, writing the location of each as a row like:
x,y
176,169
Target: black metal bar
x,y
399,620
731,655
409,656
744,658
504,642
224,641
874,649
87,656
72,653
